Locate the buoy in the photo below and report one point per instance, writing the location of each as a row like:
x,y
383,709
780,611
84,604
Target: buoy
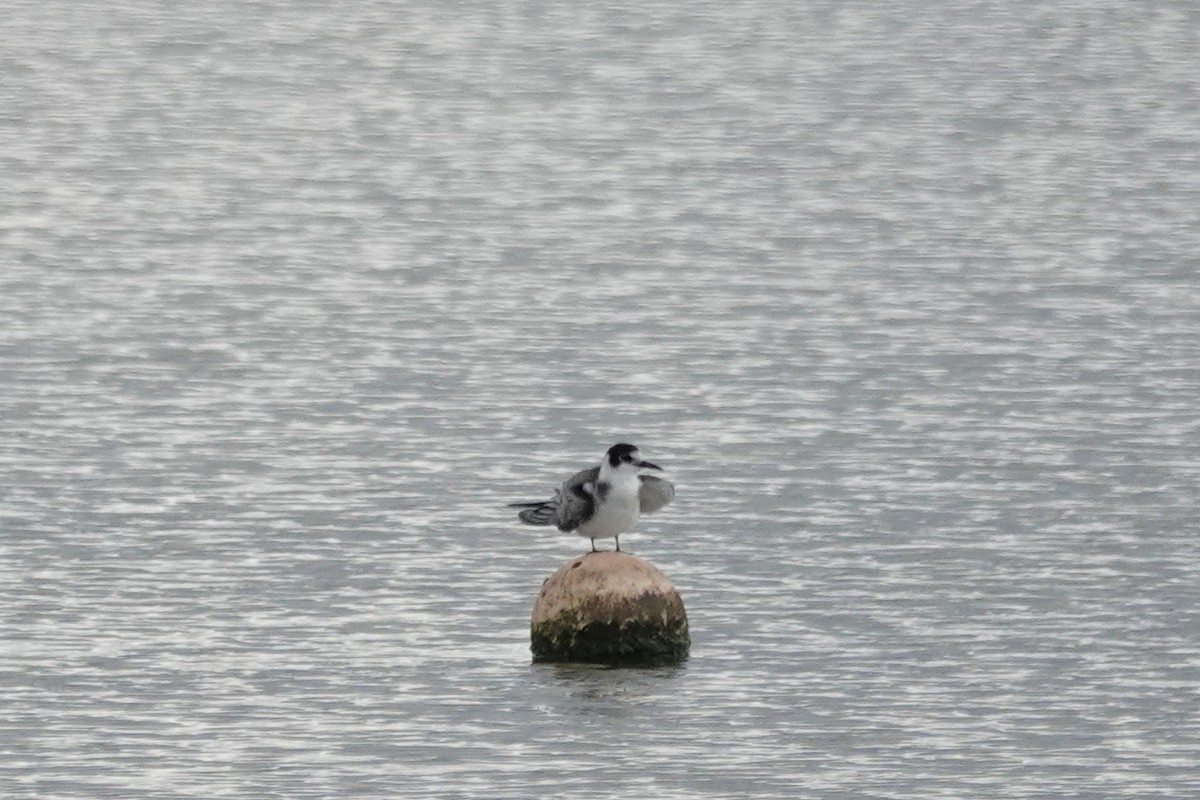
x,y
609,608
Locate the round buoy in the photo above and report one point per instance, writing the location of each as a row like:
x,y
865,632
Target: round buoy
x,y
609,608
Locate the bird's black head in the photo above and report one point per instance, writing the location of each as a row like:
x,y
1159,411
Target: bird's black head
x,y
622,454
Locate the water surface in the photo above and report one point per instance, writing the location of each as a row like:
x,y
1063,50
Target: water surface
x,y
293,298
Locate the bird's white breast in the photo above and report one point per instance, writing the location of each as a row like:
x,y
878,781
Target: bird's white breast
x,y
618,512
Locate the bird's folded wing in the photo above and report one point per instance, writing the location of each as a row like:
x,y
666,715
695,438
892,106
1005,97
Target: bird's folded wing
x,y
655,493
575,499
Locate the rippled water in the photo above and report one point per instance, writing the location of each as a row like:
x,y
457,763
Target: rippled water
x,y
293,297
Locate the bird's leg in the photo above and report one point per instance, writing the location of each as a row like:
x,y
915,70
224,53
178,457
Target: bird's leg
x,y
617,539
593,545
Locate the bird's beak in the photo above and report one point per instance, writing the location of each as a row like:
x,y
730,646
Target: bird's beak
x,y
648,465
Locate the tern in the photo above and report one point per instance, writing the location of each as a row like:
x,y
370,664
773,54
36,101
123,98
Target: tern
x,y
602,501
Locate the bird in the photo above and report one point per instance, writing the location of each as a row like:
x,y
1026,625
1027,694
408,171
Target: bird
x,y
604,500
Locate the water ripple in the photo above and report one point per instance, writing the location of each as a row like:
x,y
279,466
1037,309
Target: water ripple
x,y
293,303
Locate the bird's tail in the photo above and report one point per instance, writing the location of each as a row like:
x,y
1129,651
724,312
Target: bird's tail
x,y
540,512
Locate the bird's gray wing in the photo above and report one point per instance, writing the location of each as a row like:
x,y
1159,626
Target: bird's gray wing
x,y
655,493
539,512
576,499
571,505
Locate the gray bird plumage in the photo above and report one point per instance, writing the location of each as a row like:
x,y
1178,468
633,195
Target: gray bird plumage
x,y
575,503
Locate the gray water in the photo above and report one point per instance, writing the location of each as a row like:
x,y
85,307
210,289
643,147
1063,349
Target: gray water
x,y
294,297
